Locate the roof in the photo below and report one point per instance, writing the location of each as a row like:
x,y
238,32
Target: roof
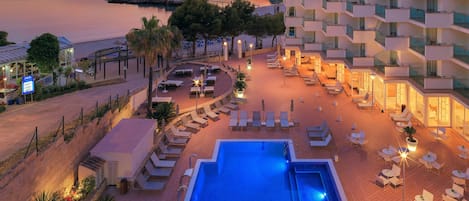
x,y
125,136
18,52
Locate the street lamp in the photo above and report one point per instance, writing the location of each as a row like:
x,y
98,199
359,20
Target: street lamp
x,y
250,48
372,76
240,50
197,91
225,51
403,154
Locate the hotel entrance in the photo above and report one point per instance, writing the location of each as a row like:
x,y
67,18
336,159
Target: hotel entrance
x,y
438,111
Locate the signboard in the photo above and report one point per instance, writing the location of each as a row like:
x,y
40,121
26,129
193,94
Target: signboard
x,y
27,85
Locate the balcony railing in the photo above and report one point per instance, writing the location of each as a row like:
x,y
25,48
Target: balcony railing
x,y
324,4
461,19
417,15
380,38
349,7
461,53
418,45
349,31
349,56
380,10
324,26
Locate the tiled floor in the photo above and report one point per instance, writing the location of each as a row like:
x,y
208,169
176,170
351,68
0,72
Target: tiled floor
x,y
357,166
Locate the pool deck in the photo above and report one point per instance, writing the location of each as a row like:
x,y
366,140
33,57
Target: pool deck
x,y
357,167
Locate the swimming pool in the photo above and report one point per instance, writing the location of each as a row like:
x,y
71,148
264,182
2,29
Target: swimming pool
x,y
262,170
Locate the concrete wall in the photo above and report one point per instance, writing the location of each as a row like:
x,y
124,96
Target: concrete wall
x,y
54,168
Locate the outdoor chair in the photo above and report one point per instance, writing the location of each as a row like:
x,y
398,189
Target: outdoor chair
x,y
284,120
403,114
178,133
221,108
171,140
404,119
361,99
157,172
320,143
231,106
193,127
395,181
365,105
210,114
197,119
256,119
233,119
427,195
143,182
317,128
243,119
459,181
458,189
157,162
270,120
437,166
169,150
381,181
319,134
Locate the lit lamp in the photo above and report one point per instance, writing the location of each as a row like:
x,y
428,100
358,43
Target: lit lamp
x,y
372,76
250,47
197,84
284,58
403,152
225,51
240,50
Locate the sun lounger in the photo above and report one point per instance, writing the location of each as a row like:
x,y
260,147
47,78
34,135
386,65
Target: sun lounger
x,y
143,182
335,91
271,55
365,105
243,119
233,119
175,141
256,119
404,119
169,150
193,127
231,106
270,120
221,108
272,60
197,119
402,114
320,127
362,99
176,132
210,114
320,143
319,134
161,163
157,172
284,120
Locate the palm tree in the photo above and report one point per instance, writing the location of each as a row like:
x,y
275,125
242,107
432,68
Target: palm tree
x,y
147,42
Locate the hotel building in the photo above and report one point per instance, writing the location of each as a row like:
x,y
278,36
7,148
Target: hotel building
x,y
402,52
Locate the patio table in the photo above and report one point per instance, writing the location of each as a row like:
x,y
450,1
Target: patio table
x,y
429,158
387,173
459,174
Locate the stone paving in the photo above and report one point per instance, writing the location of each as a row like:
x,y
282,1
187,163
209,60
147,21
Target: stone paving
x,y
357,167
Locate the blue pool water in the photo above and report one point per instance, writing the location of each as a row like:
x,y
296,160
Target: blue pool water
x,y
262,171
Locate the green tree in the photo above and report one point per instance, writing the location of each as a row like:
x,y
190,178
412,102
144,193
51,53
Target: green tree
x,y
149,41
196,18
236,17
3,39
275,25
44,51
257,27
164,111
175,37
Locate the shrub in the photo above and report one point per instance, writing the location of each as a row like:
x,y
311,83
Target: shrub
x,y
2,108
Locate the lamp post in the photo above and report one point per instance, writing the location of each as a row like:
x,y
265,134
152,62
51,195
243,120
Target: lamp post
x,y
196,84
403,154
240,49
225,51
372,76
250,48
4,77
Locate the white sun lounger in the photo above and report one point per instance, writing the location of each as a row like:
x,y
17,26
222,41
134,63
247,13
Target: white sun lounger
x,y
210,114
176,132
233,119
197,119
143,182
256,119
157,172
284,120
221,108
176,141
168,150
243,119
320,143
161,163
404,119
270,120
318,128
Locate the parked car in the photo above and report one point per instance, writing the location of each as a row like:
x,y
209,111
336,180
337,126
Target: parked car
x,y
8,96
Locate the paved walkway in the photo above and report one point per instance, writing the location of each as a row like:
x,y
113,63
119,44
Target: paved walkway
x,y
357,166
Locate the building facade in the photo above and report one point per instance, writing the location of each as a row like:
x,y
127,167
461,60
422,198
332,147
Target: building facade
x,y
403,52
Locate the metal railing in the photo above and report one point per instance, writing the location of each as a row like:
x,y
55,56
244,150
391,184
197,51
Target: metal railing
x,y
380,38
349,6
417,44
349,31
380,10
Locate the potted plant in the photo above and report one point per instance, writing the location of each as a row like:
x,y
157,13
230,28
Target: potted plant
x,y
239,86
411,141
241,76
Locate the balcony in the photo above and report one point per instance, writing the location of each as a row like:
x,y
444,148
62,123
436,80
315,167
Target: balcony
x,y
396,71
360,10
461,20
311,25
392,14
333,29
461,54
432,19
438,83
358,60
359,35
335,53
293,41
431,51
311,4
311,46
333,6
396,42
290,3
293,21
380,38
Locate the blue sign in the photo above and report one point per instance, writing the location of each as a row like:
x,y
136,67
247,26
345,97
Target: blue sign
x,y
27,85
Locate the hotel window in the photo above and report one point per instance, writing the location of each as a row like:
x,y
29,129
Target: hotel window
x,y
432,6
393,29
393,3
291,11
291,32
361,23
431,68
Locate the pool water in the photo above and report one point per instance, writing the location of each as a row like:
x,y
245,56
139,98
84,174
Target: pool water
x,y
261,171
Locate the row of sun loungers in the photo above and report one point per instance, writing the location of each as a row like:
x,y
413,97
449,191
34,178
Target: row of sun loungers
x,y
241,120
